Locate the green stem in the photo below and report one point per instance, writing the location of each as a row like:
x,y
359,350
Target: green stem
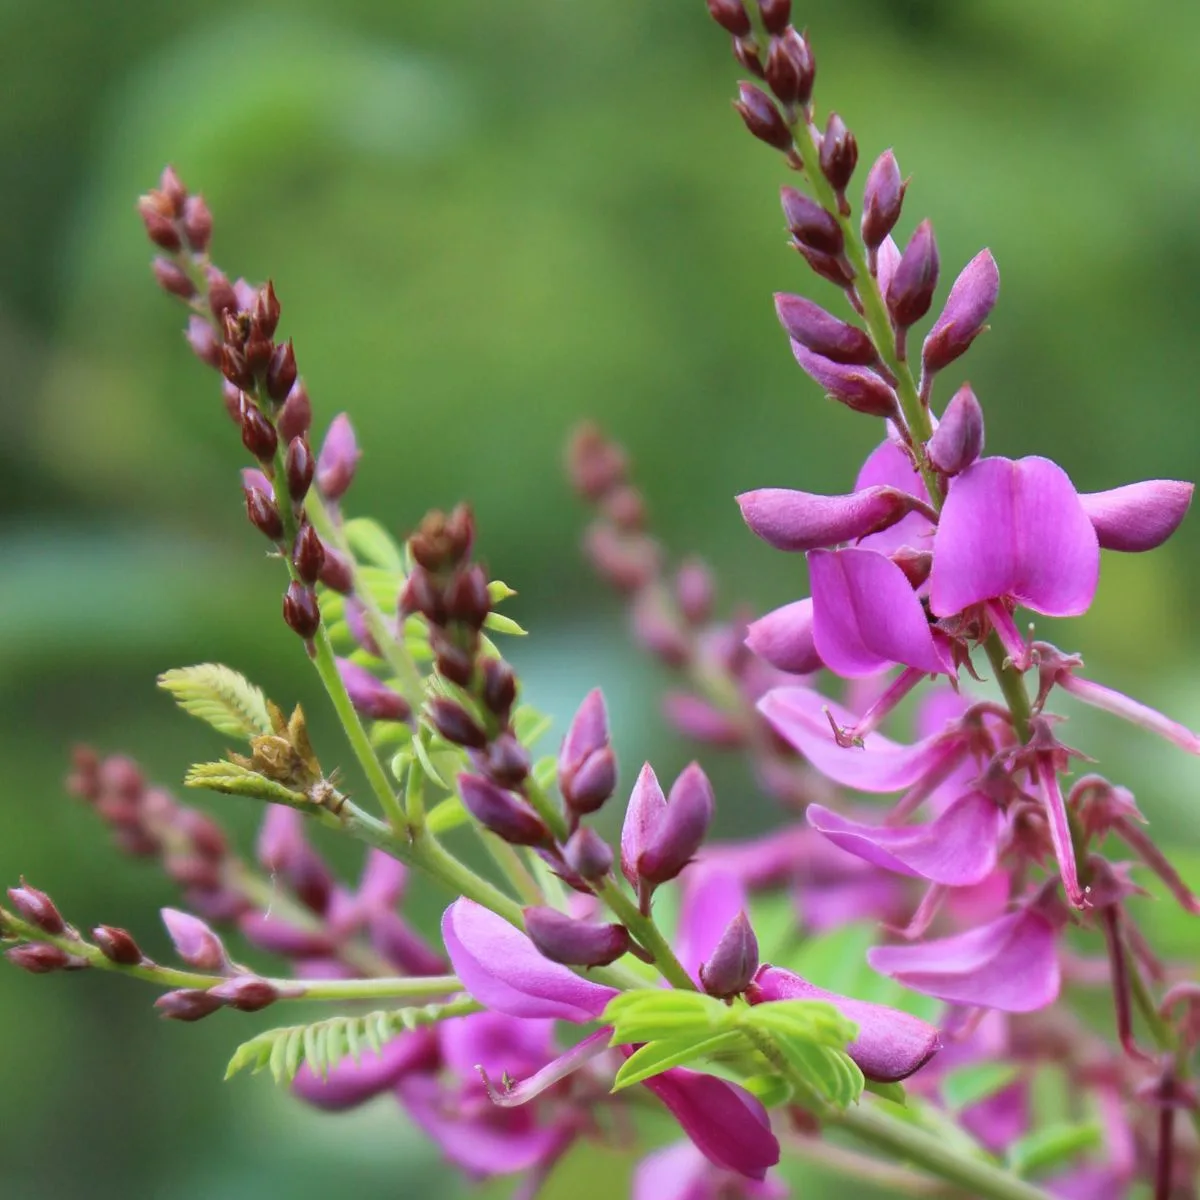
x,y
511,864
1011,685
546,809
646,933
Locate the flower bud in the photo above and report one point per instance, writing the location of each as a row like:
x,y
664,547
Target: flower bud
x,y
958,440
39,958
308,554
266,311
171,191
625,508
467,597
587,767
258,434
172,278
507,816
337,573
234,367
911,289
694,591
828,266
811,224
222,298
701,721
626,562
117,945
338,460
295,417
37,908
299,466
197,224
202,338
507,761
883,197
775,14
762,118
595,465
281,372
422,594
967,309
187,1004
246,993
731,16
499,687
658,630
839,153
263,514
784,638
371,697
1138,516
562,939
455,724
790,69
194,941
668,835
729,969
300,609
588,854
854,386
822,333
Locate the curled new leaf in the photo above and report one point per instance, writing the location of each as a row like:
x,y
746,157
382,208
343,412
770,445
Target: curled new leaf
x,y
221,697
235,780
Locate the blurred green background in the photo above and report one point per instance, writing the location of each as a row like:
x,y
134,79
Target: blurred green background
x,y
485,222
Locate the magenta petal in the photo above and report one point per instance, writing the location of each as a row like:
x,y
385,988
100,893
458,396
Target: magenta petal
x,y
798,715
784,638
957,849
890,466
352,1083
646,808
866,617
498,1044
502,969
890,1044
712,897
1010,964
1138,516
680,1172
728,1125
1039,547
795,521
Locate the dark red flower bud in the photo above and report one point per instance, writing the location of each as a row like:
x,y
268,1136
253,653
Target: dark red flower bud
x,y
160,228
187,1004
300,466
839,153
790,70
563,939
281,372
883,198
295,417
421,594
37,908
506,815
222,298
595,465
117,945
171,188
258,434
731,16
266,311
811,224
257,352
246,993
467,596
262,513
745,50
455,724
836,270
499,687
39,958
197,223
507,761
775,14
173,278
910,292
821,332
300,609
452,660
729,969
336,572
588,854
308,554
761,117
234,368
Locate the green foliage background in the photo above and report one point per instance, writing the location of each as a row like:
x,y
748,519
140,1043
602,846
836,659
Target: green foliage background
x,y
486,221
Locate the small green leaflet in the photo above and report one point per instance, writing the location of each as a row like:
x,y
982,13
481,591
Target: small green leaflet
x,y
498,623
656,1057
371,543
971,1084
1051,1146
233,780
221,697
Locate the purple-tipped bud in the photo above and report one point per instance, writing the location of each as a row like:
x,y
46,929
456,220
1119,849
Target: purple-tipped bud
x,y
809,223
194,941
680,831
507,816
790,70
883,197
172,278
910,292
258,434
499,687
839,153
371,698
117,945
822,333
507,761
694,590
338,460
263,514
202,338
301,611
295,417
854,386
39,958
762,118
831,267
467,596
729,969
299,466
588,854
337,572
562,939
455,724
281,372
246,993
731,16
197,223
1138,516
775,14
967,309
587,767
958,441
187,1004
37,908
222,298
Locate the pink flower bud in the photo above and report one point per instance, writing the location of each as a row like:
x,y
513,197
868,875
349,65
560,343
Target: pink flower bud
x,y
371,697
187,1004
507,816
1138,516
117,945
660,836
587,768
798,521
657,628
883,197
822,333
246,993
911,289
562,939
694,591
784,638
295,417
701,721
300,609
967,308
809,223
839,153
762,118
197,223
338,460
729,969
588,854
854,386
194,941
37,908
202,338
38,958
958,440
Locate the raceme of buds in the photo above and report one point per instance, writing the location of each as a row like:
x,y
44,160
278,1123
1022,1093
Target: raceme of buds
x,y
308,554
910,291
588,854
809,223
194,941
790,70
968,307
562,939
958,440
822,333
661,834
300,467
883,197
371,697
498,810
762,118
338,459
300,609
117,945
839,153
37,908
729,969
262,513
455,724
587,767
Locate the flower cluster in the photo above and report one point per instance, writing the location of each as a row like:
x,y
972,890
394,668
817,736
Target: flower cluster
x,y
564,994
